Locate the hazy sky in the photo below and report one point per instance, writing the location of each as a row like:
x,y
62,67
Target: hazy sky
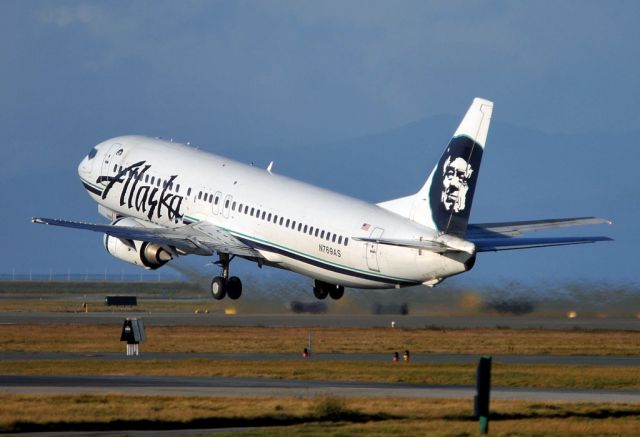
x,y
241,75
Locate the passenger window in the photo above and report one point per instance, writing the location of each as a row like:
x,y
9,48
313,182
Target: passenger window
x,y
293,225
310,230
322,234
233,206
252,210
115,168
146,178
299,226
120,169
178,188
258,213
340,239
328,236
288,222
210,198
240,208
333,239
199,195
226,203
346,241
281,220
269,217
215,202
153,180
316,233
246,209
188,191
158,182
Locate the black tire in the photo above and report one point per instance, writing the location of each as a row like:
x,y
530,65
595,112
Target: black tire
x,y
234,288
320,290
336,292
218,288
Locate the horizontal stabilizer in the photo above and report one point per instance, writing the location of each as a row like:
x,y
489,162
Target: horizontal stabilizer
x,y
507,243
512,229
452,245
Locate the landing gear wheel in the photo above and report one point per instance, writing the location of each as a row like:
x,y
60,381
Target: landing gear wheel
x,y
234,288
336,292
320,290
218,288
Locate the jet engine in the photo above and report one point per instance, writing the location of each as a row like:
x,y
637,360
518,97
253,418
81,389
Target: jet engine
x,y
141,253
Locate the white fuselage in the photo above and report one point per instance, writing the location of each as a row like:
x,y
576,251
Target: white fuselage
x,y
260,208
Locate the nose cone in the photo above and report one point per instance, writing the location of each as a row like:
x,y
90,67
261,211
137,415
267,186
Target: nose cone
x,y
85,168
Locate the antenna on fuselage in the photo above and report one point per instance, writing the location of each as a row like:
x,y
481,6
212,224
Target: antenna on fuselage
x,y
270,167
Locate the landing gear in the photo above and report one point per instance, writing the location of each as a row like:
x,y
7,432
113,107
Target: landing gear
x,y
224,285
234,288
218,288
336,292
321,290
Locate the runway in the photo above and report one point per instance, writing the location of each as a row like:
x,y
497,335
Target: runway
x,y
321,320
254,387
565,360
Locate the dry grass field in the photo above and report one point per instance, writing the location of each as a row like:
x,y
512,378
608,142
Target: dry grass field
x,y
105,338
312,417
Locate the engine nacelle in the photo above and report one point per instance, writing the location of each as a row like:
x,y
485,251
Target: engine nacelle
x,y
140,253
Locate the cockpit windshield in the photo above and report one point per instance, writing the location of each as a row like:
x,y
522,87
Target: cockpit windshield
x,y
92,153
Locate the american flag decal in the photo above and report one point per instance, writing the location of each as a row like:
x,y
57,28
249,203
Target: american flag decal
x,y
365,226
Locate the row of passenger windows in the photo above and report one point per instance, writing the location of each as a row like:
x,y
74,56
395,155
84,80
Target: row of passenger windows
x,y
288,223
245,209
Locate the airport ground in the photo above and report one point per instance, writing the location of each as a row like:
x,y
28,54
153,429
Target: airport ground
x,y
244,372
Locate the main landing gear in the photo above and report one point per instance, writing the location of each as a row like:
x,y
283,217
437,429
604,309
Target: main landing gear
x,y
321,290
224,285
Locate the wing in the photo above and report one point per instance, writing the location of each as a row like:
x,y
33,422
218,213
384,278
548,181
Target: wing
x,y
512,229
199,238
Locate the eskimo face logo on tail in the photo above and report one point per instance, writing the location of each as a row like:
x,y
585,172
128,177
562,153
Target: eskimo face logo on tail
x,y
455,183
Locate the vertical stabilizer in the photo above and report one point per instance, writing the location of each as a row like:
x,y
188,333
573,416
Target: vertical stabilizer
x,y
444,202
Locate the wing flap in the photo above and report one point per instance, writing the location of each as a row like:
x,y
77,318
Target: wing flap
x,y
199,238
512,229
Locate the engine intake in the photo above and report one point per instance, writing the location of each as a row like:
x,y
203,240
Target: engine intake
x,y
140,253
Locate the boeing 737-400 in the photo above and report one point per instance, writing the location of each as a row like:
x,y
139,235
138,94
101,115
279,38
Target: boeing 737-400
x,y
166,200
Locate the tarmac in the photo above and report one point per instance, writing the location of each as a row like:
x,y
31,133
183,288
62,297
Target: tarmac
x,y
254,387
323,320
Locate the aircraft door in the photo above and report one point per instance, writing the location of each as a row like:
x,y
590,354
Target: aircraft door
x,y
217,201
372,250
108,159
226,206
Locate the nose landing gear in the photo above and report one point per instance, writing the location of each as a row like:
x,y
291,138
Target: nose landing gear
x,y
224,285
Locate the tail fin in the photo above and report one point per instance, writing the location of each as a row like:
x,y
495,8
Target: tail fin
x,y
444,202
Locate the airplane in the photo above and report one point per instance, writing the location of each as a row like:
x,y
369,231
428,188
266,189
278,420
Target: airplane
x,y
166,200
